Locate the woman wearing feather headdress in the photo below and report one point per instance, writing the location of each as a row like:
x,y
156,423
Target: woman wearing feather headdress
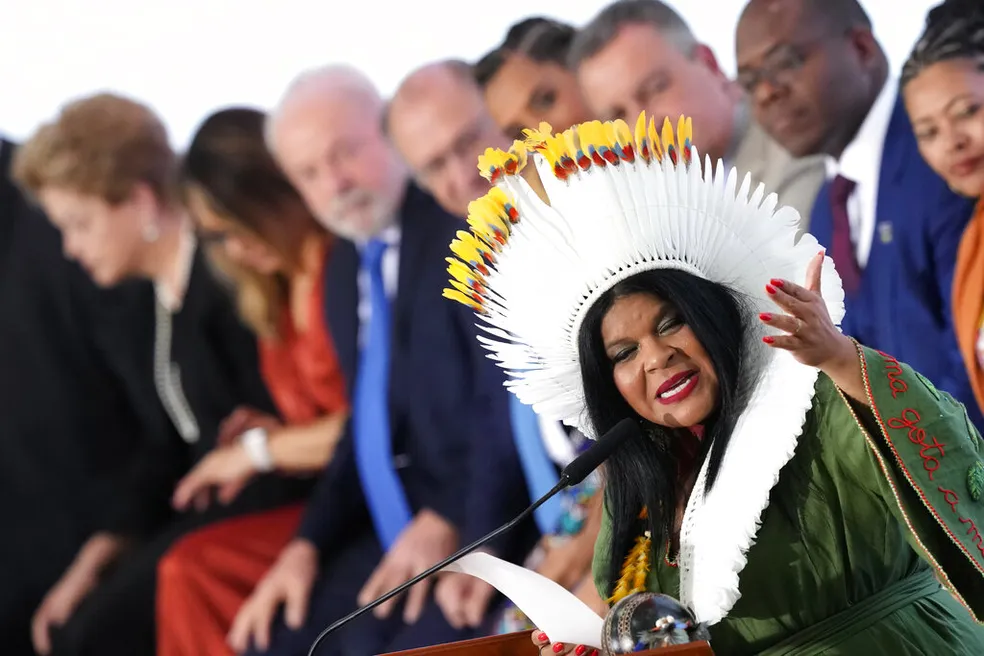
x,y
799,492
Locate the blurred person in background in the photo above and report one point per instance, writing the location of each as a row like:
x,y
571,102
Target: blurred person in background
x,y
640,55
525,79
106,175
66,418
439,124
431,121
259,231
943,90
822,85
399,493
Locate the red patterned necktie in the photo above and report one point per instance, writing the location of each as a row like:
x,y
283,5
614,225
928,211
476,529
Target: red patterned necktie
x,y
841,247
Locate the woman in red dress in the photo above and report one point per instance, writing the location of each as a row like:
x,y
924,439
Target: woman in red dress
x,y
259,233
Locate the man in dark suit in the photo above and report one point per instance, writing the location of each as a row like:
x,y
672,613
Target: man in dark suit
x,y
394,499
66,428
440,124
821,84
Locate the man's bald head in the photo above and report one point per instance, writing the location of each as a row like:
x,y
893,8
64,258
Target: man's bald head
x,y
439,123
325,132
423,83
832,14
334,84
812,68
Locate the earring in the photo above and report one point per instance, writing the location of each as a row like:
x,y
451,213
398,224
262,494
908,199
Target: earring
x,y
150,231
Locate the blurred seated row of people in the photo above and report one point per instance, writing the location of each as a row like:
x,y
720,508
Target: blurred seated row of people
x,y
105,174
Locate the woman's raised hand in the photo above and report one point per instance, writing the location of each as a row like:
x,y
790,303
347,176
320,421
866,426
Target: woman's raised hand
x,y
810,334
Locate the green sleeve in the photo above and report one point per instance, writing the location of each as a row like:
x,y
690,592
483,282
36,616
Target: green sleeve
x,y
930,456
602,554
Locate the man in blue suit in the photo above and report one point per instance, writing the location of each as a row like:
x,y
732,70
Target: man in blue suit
x,y
820,83
394,499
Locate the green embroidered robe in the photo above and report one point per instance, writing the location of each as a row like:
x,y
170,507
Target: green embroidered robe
x,y
876,508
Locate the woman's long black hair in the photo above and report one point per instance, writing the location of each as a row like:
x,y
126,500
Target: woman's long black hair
x,y
643,473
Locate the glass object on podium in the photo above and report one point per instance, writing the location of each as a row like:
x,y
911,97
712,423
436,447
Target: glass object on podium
x,y
646,621
640,622
520,644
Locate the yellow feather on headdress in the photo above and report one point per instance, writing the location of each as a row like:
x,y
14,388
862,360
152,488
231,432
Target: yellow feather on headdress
x,y
467,284
596,141
464,274
472,252
622,137
489,219
455,295
519,151
642,141
685,136
495,163
536,137
552,147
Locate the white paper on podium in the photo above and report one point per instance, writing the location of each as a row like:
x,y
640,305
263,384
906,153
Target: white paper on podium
x,y
551,608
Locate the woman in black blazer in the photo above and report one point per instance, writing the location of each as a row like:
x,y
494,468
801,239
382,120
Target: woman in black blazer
x,y
105,174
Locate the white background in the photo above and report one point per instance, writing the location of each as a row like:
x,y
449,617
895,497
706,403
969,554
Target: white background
x,y
188,57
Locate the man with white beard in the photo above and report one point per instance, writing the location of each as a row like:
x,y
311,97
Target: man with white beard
x,y
429,434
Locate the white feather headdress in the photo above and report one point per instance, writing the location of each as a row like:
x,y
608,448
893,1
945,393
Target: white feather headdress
x,y
613,202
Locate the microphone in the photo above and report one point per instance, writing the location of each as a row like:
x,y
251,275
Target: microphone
x,y
572,474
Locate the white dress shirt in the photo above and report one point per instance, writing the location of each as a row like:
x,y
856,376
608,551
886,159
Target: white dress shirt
x,y
861,162
557,442
391,275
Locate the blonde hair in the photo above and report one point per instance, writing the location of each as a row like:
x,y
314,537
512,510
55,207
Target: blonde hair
x,y
230,168
261,299
101,146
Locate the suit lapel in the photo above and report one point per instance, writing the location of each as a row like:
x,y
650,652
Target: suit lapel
x,y
414,257
897,155
9,196
342,305
821,219
898,145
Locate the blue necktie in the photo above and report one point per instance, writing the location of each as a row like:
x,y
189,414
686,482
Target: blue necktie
x,y
539,470
383,490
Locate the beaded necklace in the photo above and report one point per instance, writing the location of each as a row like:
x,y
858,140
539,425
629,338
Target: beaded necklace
x,y
637,565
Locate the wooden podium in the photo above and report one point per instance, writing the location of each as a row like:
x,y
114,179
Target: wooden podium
x,y
520,644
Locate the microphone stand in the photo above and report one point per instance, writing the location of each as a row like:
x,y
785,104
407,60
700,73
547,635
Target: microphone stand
x,y
575,472
565,481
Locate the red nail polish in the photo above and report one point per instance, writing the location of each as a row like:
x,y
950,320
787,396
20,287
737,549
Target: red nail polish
x,y
558,647
580,649
594,652
542,637
770,289
765,316
776,282
768,339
